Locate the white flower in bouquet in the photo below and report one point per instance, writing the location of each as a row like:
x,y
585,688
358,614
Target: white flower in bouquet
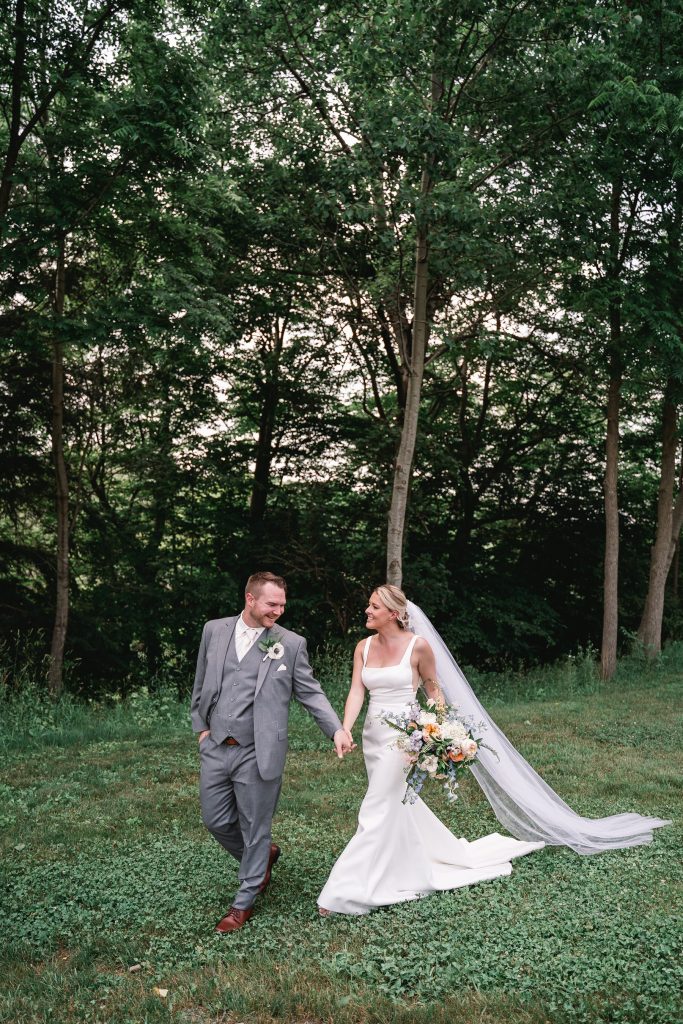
x,y
469,747
426,718
453,730
429,764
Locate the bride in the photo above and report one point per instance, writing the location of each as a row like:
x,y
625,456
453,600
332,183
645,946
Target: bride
x,y
403,851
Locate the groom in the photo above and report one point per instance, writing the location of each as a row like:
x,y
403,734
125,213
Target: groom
x,y
247,673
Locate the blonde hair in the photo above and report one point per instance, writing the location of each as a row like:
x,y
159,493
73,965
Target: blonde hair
x,y
395,600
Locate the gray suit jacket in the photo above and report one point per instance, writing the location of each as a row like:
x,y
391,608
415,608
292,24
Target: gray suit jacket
x,y
275,687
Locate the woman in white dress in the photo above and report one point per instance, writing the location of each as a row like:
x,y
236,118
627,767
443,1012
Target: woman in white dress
x,y
401,851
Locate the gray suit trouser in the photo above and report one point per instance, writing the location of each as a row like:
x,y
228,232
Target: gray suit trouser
x,y
237,808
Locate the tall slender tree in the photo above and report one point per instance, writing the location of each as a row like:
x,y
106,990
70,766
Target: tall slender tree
x,y
414,113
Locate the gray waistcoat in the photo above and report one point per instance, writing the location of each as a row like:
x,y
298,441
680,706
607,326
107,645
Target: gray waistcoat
x,y
234,712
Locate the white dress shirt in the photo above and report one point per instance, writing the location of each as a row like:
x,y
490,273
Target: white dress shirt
x,y
245,637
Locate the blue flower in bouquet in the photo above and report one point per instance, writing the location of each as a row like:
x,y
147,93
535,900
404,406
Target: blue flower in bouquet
x,y
413,790
415,740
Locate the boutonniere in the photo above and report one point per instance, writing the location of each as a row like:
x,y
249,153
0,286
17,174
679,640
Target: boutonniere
x,y
273,648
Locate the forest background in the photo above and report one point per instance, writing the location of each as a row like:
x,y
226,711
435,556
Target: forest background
x,y
345,291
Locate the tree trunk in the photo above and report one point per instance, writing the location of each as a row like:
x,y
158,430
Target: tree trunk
x,y
676,568
610,619
668,529
77,57
14,138
403,466
610,616
665,549
264,454
267,416
676,564
149,553
56,672
406,451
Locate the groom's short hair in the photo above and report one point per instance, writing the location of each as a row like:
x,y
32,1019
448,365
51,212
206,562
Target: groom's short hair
x,y
258,580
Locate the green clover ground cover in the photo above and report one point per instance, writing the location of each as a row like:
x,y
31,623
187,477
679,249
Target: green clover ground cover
x,y
106,866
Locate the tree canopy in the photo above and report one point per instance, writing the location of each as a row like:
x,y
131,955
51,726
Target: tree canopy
x,y
347,291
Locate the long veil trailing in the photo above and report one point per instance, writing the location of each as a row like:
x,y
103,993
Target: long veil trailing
x,y
523,803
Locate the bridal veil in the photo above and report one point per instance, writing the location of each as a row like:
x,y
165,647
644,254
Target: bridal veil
x,y
522,802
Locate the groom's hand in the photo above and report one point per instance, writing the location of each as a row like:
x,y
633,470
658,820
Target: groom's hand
x,y
343,742
203,735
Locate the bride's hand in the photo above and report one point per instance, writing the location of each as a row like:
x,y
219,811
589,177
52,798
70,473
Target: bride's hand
x,y
352,745
343,742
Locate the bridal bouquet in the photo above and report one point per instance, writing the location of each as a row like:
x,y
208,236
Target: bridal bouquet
x,y
437,742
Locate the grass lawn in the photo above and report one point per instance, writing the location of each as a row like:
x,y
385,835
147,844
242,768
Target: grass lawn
x,y
111,886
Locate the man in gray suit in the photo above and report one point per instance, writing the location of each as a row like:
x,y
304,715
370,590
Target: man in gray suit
x,y
247,673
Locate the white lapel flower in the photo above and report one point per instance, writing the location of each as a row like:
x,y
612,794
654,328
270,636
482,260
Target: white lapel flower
x,y
273,648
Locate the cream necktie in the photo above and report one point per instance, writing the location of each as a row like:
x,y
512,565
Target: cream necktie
x,y
245,641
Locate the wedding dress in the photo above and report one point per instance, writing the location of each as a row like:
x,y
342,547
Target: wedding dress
x,y
402,851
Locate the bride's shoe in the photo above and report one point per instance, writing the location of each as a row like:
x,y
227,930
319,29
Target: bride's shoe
x,y
323,912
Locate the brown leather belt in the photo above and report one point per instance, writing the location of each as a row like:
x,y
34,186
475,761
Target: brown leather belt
x,y
230,742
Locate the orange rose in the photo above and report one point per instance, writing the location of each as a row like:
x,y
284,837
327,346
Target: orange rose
x,y
459,756
431,730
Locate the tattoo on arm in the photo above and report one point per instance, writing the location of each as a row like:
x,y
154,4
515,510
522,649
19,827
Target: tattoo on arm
x,y
437,692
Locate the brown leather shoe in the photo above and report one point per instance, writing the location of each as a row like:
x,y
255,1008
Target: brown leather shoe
x,y
275,852
233,920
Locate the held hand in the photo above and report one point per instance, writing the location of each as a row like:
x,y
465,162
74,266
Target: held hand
x,y
343,742
203,735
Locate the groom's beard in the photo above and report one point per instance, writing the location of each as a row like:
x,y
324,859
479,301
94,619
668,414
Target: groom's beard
x,y
267,621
